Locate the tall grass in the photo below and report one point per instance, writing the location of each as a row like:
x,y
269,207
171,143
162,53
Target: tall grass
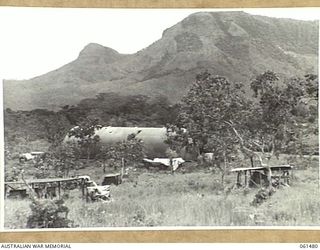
x,y
192,199
16,213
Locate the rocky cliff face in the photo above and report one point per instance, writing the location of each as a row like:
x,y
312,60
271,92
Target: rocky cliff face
x,y
232,44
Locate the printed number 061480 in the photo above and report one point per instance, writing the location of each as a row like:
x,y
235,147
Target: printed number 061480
x,y
309,246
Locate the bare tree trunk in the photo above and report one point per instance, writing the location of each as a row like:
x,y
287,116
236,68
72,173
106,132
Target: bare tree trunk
x,y
104,167
88,154
224,170
269,176
252,153
122,167
244,149
67,171
269,168
122,162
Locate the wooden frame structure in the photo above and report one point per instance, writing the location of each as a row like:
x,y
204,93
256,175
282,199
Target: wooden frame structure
x,y
258,176
47,188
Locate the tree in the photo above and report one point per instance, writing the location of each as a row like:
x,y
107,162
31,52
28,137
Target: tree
x,y
63,158
205,112
271,126
130,150
84,133
119,110
56,128
272,122
219,118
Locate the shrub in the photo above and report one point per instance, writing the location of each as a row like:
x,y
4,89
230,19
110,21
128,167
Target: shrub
x,y
262,195
49,214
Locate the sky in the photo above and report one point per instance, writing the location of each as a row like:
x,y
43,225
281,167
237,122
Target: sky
x,y
34,41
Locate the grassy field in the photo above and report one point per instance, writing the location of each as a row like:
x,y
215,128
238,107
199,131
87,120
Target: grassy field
x,y
150,198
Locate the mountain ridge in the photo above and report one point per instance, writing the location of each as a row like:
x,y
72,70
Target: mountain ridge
x,y
233,44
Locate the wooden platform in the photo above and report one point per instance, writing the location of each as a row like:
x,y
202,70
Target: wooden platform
x,y
47,180
49,187
275,168
260,176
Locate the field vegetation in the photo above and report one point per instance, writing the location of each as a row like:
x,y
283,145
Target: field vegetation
x,y
187,198
277,125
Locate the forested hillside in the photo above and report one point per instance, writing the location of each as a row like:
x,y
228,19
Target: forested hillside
x,y
109,109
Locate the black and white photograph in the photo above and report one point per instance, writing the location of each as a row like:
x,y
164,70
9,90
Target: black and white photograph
x,y
160,118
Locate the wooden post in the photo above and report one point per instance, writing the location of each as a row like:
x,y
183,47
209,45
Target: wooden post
x,y
290,175
45,190
82,188
5,190
86,192
59,189
245,178
122,162
251,159
84,185
287,177
171,165
260,179
238,179
122,169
